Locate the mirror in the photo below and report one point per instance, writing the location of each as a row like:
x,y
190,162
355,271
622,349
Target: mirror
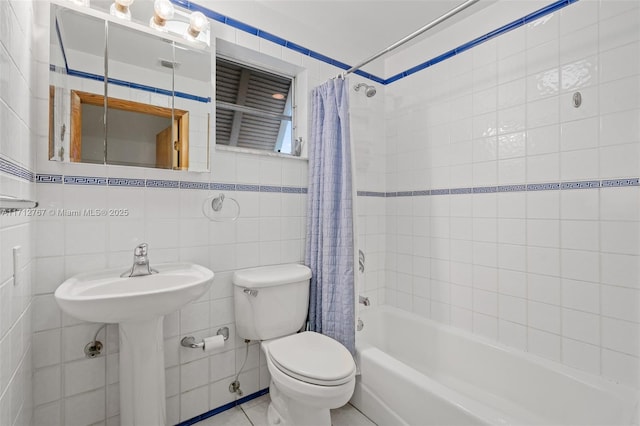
x,y
154,110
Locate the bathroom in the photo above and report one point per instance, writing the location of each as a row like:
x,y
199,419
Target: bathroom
x,y
497,195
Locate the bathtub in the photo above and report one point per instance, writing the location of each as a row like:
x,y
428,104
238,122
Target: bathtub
x,y
418,372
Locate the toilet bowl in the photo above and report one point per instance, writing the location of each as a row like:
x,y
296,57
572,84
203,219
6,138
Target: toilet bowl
x,y
310,373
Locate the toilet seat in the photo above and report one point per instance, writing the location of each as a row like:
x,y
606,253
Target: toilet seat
x,y
312,358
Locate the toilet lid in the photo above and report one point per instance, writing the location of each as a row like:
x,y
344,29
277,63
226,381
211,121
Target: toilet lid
x,y
313,358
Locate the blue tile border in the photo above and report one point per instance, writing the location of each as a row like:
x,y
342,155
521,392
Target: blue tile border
x,y
187,4
64,53
223,408
132,85
484,38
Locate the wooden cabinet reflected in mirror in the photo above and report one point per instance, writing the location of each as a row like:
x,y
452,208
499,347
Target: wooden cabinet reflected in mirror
x,y
135,130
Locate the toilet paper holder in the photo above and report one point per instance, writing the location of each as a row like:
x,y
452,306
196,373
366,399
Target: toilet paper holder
x,y
190,341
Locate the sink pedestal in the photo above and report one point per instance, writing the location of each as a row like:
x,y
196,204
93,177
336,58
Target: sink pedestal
x,y
139,305
142,390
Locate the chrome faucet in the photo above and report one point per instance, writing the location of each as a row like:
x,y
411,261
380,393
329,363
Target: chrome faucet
x,y
140,265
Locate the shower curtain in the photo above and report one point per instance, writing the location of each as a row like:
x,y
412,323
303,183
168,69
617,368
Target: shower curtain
x,y
329,250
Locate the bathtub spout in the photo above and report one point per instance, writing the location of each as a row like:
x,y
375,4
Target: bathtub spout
x,y
364,300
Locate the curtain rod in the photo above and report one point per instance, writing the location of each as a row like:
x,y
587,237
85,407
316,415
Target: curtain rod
x,y
413,35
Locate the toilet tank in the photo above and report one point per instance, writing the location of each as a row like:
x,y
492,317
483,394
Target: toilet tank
x,y
271,301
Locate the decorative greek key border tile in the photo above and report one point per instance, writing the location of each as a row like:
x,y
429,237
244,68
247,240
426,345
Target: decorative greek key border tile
x,y
580,185
532,187
49,179
269,188
612,183
223,186
125,182
292,190
485,189
440,192
167,184
85,180
159,183
194,185
218,186
247,188
462,191
15,169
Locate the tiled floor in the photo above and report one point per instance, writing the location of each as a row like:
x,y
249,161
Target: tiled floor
x,y
254,413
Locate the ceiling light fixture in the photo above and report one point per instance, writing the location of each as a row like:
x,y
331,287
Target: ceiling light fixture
x,y
278,96
162,11
197,23
120,9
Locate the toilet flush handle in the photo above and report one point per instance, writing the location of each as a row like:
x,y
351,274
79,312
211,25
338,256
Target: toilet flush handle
x,y
250,291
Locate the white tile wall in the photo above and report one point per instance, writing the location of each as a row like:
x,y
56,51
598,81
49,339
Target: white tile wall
x,y
367,130
547,272
17,88
554,273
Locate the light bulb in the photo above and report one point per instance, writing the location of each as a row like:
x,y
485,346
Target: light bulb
x,y
162,10
120,9
197,23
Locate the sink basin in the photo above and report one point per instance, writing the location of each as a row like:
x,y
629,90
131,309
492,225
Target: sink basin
x,y
138,305
104,296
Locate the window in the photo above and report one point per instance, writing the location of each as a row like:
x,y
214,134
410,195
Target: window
x,y
253,107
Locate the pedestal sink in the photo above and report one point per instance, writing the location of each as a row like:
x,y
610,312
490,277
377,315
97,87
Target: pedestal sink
x,y
138,304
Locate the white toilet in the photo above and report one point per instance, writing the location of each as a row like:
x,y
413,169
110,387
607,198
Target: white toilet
x,y
310,373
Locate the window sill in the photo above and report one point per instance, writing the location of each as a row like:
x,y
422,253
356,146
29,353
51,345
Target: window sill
x,y
258,152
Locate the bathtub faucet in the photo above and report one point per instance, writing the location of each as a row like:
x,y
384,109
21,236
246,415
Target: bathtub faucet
x,y
364,300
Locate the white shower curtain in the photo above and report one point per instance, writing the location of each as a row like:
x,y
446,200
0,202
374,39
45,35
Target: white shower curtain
x,y
330,228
